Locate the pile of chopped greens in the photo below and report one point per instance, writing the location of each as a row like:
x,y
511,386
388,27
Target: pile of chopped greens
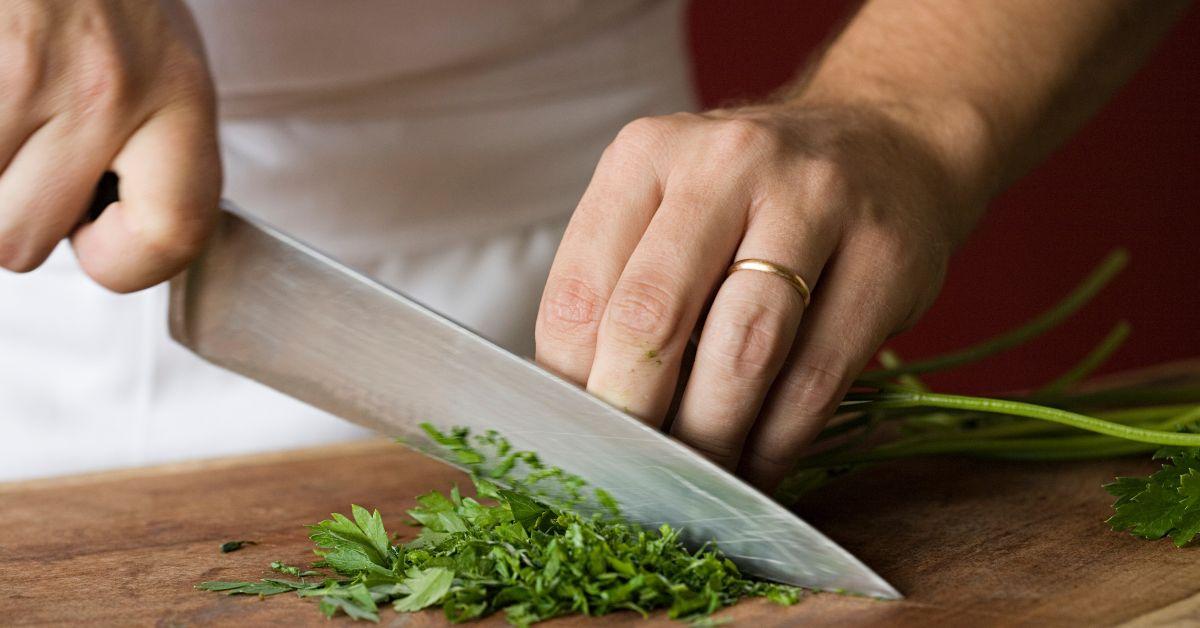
x,y
892,414
512,552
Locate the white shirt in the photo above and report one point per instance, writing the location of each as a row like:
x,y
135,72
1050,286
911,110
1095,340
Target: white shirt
x,y
437,146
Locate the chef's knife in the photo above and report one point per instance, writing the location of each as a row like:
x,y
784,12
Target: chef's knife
x,y
262,304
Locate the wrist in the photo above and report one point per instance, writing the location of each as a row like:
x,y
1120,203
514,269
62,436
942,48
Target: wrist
x,y
956,134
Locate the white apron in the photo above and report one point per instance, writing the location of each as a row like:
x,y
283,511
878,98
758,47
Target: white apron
x,y
437,146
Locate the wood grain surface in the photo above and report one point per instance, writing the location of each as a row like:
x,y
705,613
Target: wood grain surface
x,y
969,543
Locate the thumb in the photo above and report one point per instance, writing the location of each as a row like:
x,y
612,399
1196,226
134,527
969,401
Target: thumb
x,y
170,186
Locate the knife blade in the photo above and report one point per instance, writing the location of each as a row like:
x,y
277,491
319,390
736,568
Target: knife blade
x,y
260,303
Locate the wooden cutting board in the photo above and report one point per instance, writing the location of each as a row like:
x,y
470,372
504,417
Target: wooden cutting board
x,y
969,543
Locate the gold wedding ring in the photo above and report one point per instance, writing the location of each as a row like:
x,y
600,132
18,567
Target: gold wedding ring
x,y
764,266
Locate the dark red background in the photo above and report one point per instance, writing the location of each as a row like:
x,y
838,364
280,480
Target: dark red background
x,y
1128,179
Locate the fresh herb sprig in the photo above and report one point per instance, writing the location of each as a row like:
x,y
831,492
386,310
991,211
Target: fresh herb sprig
x,y
893,414
522,555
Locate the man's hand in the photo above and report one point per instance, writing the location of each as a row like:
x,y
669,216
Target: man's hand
x,y
861,183
849,198
93,85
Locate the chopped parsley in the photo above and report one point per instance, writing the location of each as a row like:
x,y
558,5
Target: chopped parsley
x,y
518,547
233,546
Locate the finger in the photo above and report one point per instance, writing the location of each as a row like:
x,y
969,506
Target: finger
x,y
170,185
16,128
46,187
604,230
857,308
750,329
665,284
21,113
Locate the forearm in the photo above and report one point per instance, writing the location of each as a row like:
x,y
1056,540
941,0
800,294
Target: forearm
x,y
993,86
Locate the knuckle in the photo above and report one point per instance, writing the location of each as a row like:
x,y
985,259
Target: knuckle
x,y
773,457
746,342
21,72
103,67
827,179
189,77
570,307
643,135
22,47
173,238
103,83
881,251
643,312
18,264
642,128
741,138
715,442
816,380
19,257
912,272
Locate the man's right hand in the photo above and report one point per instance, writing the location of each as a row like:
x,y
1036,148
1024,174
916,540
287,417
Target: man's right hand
x,y
88,86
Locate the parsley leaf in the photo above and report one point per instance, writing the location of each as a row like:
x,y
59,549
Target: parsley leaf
x,y
525,510
1166,503
244,588
350,547
426,587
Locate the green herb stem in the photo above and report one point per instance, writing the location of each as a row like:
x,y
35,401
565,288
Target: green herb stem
x,y
1092,361
1016,408
1146,413
1017,427
1034,328
891,360
980,443
1182,421
1122,397
1068,448
1037,426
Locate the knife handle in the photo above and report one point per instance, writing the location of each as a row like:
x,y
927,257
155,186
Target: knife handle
x,y
106,194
